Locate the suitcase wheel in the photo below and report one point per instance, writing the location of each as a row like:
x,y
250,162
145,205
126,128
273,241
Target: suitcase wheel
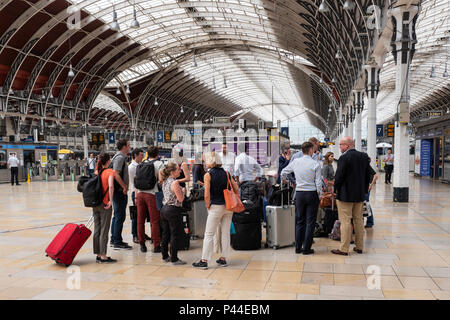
x,y
275,247
266,245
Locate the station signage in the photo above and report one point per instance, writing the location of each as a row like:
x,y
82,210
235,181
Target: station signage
x,y
432,114
390,130
167,136
285,131
160,136
380,130
111,138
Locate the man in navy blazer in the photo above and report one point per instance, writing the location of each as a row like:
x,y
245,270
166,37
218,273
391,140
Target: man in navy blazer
x,y
351,184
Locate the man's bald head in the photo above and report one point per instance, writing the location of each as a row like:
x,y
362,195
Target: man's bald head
x,y
346,143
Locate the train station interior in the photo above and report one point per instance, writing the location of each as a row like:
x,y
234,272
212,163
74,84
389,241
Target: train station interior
x,y
77,77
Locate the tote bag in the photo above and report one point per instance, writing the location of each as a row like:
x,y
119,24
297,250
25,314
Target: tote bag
x,y
232,200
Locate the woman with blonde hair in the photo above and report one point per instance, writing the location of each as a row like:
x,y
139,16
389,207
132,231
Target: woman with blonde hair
x,y
171,219
216,181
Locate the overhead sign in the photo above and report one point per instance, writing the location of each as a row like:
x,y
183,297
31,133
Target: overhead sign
x,y
285,131
380,130
390,130
167,136
112,137
160,136
432,114
222,120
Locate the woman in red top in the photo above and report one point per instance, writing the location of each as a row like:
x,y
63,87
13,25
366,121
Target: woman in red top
x,y
103,212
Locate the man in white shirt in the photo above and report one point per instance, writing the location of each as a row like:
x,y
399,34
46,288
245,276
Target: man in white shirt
x,y
308,188
146,203
315,156
246,165
91,164
228,159
137,155
13,163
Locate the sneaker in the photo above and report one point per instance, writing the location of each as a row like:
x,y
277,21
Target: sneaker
x,y
147,237
178,263
107,260
166,259
200,265
122,246
157,249
222,262
143,247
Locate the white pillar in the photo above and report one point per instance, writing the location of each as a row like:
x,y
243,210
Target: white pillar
x,y
403,50
373,83
85,145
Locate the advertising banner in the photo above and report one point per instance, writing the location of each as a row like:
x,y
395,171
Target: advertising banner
x,y
425,158
417,158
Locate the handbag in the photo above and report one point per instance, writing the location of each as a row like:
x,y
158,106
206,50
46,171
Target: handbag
x,y
187,204
232,200
327,200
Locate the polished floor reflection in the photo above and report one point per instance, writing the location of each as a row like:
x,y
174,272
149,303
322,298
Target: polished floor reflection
x,y
409,244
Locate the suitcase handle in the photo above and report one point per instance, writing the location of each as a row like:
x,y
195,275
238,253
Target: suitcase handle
x,y
90,222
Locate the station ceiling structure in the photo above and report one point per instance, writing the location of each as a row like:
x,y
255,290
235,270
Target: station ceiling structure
x,y
166,62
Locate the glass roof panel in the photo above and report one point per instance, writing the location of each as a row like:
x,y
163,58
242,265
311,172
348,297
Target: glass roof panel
x,y
106,103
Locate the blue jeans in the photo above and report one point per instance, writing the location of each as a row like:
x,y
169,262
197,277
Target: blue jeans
x,y
133,221
369,221
120,201
306,204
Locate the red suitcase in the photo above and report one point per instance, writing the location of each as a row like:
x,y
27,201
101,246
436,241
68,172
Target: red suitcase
x,y
65,246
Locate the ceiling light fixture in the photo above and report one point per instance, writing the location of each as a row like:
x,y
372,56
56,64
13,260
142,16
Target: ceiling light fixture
x,y
182,111
127,91
118,90
433,73
134,24
214,83
338,53
115,25
195,114
323,8
156,101
445,74
225,83
334,79
43,95
321,78
51,95
71,74
349,5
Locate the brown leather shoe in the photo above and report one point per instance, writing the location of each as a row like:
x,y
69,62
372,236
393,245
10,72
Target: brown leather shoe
x,y
357,250
337,251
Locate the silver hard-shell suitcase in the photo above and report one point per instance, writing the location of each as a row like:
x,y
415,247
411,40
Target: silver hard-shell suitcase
x,y
280,226
197,219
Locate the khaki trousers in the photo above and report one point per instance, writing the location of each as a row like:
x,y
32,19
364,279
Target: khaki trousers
x,y
346,212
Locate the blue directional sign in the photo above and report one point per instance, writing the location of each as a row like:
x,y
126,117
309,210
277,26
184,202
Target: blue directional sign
x,y
160,136
111,137
285,131
380,130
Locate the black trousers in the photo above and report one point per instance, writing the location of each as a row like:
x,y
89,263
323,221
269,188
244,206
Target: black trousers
x,y
171,222
388,168
14,173
307,204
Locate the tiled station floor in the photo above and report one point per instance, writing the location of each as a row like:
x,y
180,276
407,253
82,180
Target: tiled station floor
x,y
410,242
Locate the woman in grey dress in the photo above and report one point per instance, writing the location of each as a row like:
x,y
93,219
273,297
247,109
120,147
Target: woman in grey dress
x,y
327,169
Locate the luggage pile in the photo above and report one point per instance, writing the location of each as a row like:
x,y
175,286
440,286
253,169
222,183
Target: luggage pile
x,y
247,224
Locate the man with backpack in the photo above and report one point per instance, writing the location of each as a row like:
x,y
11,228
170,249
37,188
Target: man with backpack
x,y
146,184
120,199
137,155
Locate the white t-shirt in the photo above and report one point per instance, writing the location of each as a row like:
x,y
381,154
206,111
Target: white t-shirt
x,y
132,173
159,165
228,162
91,163
13,162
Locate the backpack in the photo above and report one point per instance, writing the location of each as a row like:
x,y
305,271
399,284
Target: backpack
x,y
81,182
92,191
249,193
336,232
145,176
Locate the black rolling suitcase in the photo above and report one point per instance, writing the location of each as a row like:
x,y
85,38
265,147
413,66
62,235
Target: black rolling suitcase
x,y
328,221
184,239
247,237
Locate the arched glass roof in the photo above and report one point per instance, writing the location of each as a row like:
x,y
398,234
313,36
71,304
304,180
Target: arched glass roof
x,y
106,103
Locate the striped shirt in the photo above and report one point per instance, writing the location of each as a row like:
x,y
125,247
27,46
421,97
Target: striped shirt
x,y
307,173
